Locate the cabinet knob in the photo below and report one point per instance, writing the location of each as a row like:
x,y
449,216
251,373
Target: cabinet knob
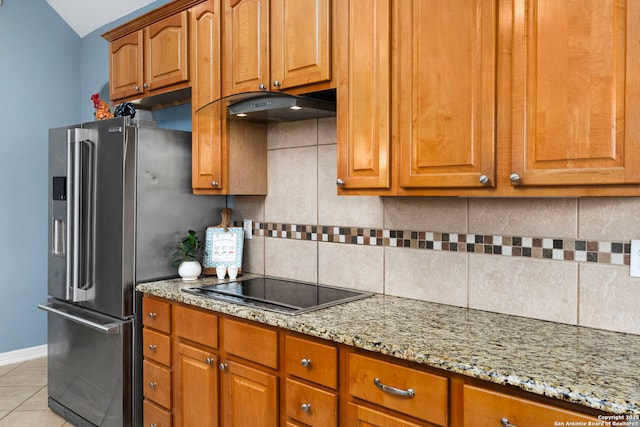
x,y
137,88
306,407
152,315
514,178
339,182
208,360
146,86
306,363
153,385
214,183
484,179
261,86
152,347
504,422
153,425
223,366
276,83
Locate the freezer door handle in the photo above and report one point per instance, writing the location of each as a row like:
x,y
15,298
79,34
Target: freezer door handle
x,y
106,328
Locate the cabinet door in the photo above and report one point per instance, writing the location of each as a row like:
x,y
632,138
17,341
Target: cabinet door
x,y
249,396
165,51
300,42
125,66
360,416
576,92
197,386
363,104
207,124
445,116
246,46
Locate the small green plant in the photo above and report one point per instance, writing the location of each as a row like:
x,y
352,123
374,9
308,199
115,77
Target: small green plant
x,y
188,249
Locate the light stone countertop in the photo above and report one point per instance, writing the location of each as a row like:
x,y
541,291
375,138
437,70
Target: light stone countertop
x,y
590,367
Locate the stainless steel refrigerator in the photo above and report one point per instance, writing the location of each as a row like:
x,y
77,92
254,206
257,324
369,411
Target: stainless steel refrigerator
x,y
119,200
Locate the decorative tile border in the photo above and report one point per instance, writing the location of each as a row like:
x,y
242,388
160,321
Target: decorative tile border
x,y
578,250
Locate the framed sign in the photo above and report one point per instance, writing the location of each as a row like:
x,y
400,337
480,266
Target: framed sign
x,y
223,246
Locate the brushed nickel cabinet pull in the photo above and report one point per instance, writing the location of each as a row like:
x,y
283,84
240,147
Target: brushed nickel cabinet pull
x,y
392,390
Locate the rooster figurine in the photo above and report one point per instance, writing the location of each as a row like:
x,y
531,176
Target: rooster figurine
x,y
102,109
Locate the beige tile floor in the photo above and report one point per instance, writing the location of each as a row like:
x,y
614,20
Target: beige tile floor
x,y
23,396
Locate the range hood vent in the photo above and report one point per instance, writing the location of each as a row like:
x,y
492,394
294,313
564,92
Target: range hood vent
x,y
265,107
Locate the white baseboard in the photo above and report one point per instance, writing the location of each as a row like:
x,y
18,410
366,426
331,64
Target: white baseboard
x,y
22,355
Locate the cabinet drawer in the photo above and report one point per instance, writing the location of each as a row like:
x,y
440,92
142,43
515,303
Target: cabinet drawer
x,y
156,314
154,415
483,407
196,325
311,360
156,383
251,342
156,346
360,416
429,402
320,407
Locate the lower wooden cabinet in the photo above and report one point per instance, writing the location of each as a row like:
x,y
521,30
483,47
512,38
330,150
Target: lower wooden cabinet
x,y
311,405
156,367
157,383
196,387
410,391
155,415
249,396
360,416
487,408
207,369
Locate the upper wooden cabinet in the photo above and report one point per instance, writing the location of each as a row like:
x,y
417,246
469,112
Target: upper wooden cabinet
x,y
575,92
164,49
227,158
275,45
446,100
488,98
439,80
149,55
364,94
125,66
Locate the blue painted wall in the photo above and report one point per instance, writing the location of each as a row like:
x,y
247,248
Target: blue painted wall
x,y
47,76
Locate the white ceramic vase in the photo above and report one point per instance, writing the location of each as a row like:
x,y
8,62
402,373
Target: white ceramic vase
x,y
189,270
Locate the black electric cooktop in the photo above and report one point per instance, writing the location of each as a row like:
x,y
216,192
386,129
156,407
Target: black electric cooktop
x,y
279,295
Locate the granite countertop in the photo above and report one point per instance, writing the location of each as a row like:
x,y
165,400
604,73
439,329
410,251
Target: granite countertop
x,y
590,367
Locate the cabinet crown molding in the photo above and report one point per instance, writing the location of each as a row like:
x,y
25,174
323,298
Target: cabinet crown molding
x,y
155,15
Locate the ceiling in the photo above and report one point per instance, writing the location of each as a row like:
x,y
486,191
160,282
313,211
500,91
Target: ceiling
x,y
85,16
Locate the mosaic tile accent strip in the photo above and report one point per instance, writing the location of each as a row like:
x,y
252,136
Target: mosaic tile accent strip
x,y
577,250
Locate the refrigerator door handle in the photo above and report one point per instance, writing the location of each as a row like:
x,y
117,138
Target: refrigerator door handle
x,y
78,257
106,328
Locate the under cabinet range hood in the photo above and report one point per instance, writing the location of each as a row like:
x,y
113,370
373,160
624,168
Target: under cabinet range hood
x,y
265,107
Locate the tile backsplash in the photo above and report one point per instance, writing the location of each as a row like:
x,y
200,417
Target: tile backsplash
x,y
563,260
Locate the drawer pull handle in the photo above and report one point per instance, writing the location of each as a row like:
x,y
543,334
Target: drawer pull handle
x,y
152,347
504,422
152,315
306,363
392,390
306,407
153,385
